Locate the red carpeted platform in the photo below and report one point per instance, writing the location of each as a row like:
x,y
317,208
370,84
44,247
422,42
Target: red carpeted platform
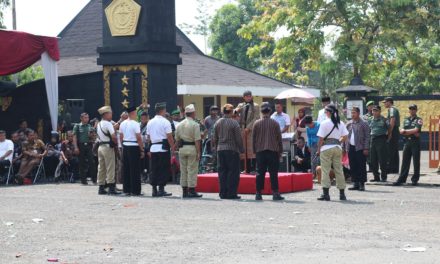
x,y
288,182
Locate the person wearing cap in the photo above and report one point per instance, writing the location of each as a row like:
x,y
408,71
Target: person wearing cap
x,y
133,153
188,138
106,152
268,148
412,127
378,145
175,116
282,118
229,145
160,135
393,135
321,115
249,113
357,146
367,117
83,148
211,119
332,133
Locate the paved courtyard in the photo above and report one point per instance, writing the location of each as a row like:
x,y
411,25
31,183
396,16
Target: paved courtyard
x,y
70,223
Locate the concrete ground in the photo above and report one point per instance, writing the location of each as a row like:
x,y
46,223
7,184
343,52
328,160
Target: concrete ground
x,y
70,223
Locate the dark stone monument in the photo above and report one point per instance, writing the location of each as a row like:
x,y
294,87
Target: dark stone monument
x,y
139,53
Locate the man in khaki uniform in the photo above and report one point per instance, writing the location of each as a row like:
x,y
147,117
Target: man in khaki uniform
x,y
188,137
106,153
249,113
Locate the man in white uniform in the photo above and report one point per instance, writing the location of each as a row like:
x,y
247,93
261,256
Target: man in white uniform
x,y
321,115
162,147
133,149
106,152
6,152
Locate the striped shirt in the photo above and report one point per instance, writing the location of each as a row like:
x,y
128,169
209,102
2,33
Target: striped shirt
x,y
266,135
361,134
227,135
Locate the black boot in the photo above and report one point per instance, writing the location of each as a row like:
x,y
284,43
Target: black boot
x,y
362,186
154,192
325,195
112,189
355,187
102,190
342,196
276,196
193,194
184,192
258,196
162,192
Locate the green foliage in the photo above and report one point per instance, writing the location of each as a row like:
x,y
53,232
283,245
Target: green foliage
x,y
393,45
3,5
28,75
225,42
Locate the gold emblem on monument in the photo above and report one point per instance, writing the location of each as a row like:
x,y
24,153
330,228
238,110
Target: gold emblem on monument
x,y
122,17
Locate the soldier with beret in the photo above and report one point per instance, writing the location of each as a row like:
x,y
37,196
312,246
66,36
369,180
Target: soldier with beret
x,y
133,152
412,127
106,153
393,135
188,138
160,135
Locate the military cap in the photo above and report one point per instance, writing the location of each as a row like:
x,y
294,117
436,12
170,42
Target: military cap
x,y
325,99
370,103
190,108
376,108
412,107
388,99
104,109
175,112
161,105
131,109
213,107
246,93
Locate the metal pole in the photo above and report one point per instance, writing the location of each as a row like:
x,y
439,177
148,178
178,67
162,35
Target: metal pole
x,y
14,16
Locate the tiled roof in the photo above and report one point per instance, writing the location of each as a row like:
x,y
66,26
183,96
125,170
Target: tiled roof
x,y
81,37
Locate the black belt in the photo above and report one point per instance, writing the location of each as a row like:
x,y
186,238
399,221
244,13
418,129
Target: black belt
x,y
84,143
157,143
412,138
129,141
381,136
186,143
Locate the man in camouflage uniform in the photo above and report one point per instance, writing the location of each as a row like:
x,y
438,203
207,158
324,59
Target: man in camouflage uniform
x,y
412,127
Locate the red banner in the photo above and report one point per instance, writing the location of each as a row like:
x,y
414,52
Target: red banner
x,y
19,50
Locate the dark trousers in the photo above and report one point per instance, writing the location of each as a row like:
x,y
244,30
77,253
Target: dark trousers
x,y
303,167
411,149
393,152
378,154
358,166
228,162
160,168
86,162
267,161
132,171
4,166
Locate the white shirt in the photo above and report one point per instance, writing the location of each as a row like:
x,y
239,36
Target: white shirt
x,y
157,130
6,146
104,127
352,138
322,116
129,129
283,119
325,128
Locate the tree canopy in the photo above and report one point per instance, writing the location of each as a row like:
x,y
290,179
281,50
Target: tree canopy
x,y
393,45
224,40
3,5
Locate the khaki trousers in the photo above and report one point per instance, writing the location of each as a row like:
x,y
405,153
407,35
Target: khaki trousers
x,y
331,157
106,167
189,167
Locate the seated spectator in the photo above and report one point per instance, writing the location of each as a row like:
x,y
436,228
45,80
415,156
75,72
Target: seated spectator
x,y
67,157
22,126
52,158
16,160
301,161
33,151
6,153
